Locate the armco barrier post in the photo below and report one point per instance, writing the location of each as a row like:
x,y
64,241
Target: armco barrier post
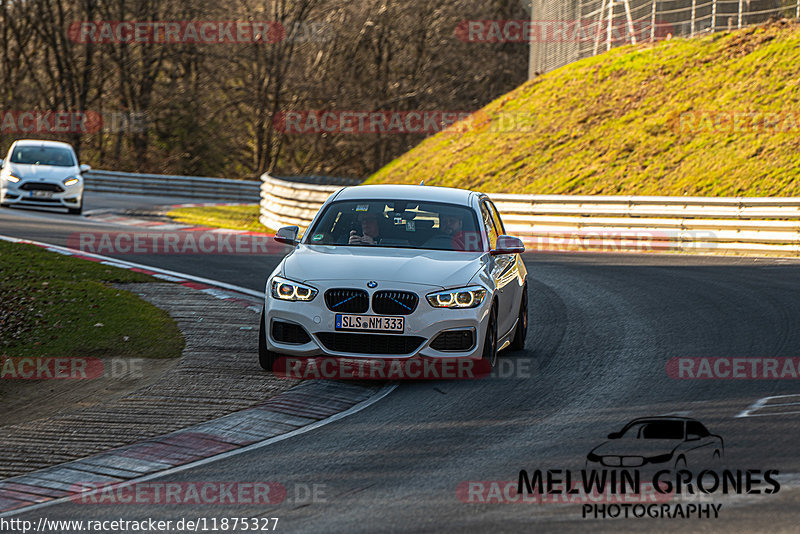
x,y
740,14
653,22
714,16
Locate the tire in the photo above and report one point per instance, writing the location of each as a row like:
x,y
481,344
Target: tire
x,y
518,343
490,343
266,357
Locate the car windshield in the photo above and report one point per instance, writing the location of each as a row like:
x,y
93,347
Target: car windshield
x,y
43,155
655,430
397,224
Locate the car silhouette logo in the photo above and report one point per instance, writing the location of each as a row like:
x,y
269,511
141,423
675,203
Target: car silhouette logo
x,y
671,442
372,285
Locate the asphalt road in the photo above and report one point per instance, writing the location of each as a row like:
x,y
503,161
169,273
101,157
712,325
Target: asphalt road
x,y
602,330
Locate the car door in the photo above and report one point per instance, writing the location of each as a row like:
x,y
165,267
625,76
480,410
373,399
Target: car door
x,y
698,445
503,272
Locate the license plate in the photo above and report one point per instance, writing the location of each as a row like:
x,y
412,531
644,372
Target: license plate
x,y
42,194
370,323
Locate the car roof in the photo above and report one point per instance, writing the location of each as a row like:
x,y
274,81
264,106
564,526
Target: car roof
x,y
661,418
429,193
41,142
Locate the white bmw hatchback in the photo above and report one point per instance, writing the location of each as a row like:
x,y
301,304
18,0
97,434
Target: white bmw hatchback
x,y
42,173
392,271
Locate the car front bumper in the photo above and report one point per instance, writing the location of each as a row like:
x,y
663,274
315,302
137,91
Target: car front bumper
x,y
13,194
426,323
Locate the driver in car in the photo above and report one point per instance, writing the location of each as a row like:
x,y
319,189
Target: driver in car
x,y
451,224
370,231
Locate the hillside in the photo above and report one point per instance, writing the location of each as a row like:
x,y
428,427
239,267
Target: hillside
x,y
665,119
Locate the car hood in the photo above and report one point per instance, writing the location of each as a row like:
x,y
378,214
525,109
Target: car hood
x,y
42,172
436,268
637,447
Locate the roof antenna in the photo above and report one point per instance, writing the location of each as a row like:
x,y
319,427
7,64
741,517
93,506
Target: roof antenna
x,y
422,182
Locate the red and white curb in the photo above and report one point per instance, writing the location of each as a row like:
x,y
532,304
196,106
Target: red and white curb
x,y
299,410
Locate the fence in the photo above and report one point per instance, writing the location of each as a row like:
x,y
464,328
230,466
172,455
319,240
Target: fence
x,y
575,29
623,223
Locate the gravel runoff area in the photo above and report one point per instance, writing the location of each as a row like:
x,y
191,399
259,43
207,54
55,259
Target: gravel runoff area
x,y
217,374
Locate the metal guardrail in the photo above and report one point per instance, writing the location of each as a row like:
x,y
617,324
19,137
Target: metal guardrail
x,y
289,203
622,223
195,187
544,222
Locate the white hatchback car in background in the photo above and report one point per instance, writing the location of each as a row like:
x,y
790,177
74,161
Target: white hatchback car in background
x,y
393,271
42,173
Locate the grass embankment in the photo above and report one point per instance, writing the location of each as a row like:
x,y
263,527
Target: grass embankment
x,y
232,217
53,305
637,120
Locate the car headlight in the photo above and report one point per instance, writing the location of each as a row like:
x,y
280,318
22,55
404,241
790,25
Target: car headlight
x,y
70,180
283,289
13,179
466,297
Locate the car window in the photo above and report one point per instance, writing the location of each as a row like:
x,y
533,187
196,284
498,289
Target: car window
x,y
43,155
696,428
498,222
397,224
655,430
663,430
489,224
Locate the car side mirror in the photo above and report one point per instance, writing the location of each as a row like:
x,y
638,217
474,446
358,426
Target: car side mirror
x,y
507,244
288,235
692,437
84,167
614,435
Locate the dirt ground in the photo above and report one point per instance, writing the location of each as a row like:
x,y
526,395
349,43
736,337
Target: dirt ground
x,y
23,401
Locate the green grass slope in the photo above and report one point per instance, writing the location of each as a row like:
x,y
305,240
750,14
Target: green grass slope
x,y
637,120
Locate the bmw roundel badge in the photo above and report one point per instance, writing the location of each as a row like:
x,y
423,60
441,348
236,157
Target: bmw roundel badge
x,y
372,284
